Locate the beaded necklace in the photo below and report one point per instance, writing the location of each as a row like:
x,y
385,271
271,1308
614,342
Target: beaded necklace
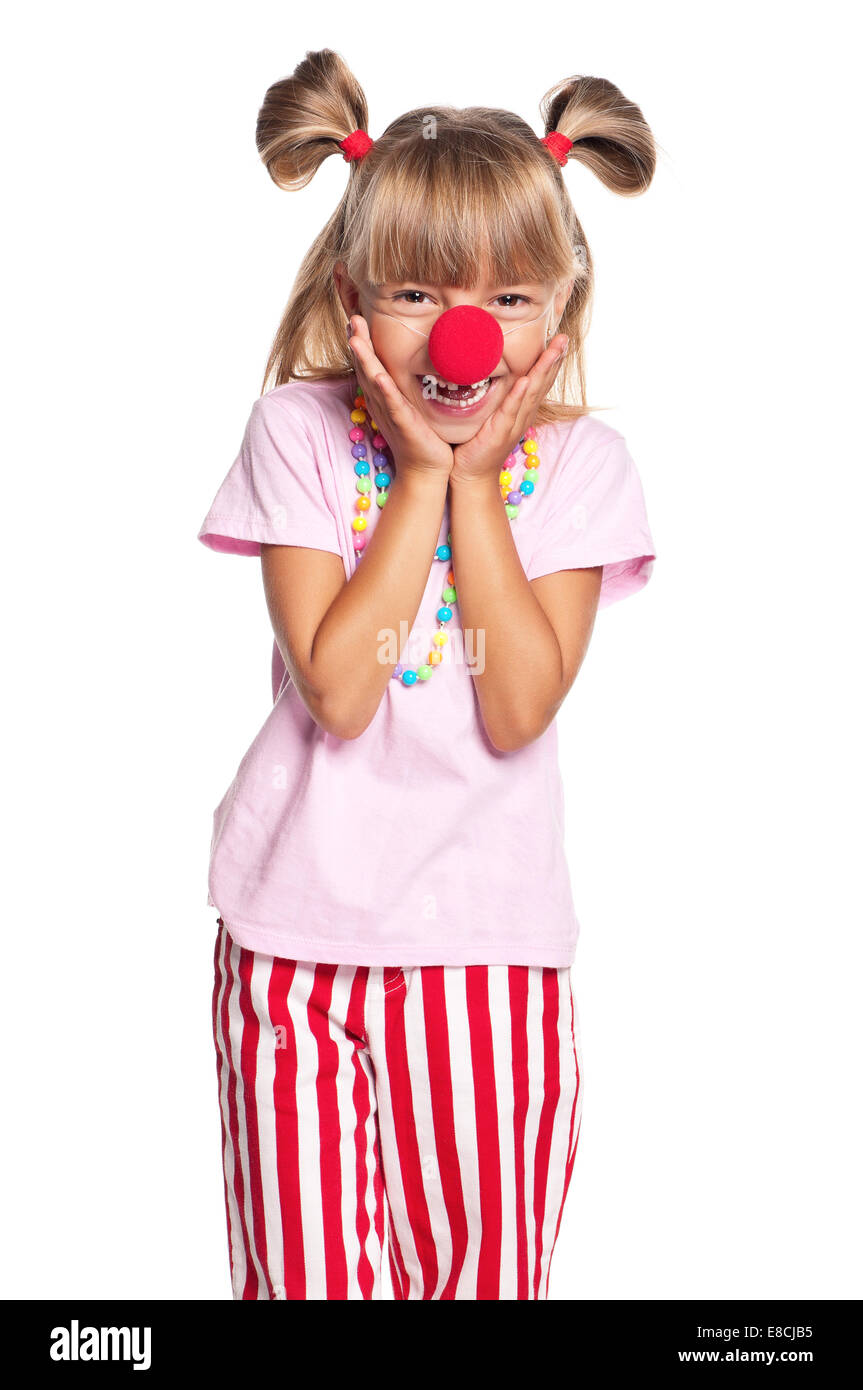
x,y
512,499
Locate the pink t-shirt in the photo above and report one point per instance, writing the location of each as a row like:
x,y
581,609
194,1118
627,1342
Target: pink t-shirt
x,y
417,843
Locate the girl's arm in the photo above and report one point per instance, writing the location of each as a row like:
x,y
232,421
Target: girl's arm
x,y
327,628
529,638
332,632
534,633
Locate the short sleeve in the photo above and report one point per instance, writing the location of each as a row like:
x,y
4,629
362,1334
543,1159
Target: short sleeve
x,y
273,492
599,518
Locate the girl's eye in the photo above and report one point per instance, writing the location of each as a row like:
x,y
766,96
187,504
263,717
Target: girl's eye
x,y
406,295
522,297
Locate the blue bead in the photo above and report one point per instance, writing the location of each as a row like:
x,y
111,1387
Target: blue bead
x,y
443,552
359,451
361,468
409,677
382,480
526,486
444,614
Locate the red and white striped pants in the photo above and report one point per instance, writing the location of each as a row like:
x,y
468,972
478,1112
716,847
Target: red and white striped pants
x,y
453,1093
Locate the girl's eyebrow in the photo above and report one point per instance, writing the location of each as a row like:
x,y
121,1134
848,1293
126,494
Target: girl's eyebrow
x,y
499,286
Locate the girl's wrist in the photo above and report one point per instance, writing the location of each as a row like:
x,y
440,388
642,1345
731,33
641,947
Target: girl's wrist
x,y
421,478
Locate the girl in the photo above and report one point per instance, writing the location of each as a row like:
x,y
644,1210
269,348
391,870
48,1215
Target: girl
x,y
437,522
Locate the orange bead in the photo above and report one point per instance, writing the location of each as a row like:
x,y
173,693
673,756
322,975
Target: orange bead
x,y
363,504
450,579
435,658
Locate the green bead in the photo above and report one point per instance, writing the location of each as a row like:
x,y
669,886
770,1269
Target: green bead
x,y
449,538
511,511
423,672
382,497
531,474
449,595
363,485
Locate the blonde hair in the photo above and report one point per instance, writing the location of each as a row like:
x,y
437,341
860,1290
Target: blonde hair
x,y
484,195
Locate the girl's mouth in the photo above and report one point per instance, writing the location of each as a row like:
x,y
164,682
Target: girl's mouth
x,y
452,398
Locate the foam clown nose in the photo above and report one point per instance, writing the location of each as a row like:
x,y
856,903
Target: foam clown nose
x,y
465,344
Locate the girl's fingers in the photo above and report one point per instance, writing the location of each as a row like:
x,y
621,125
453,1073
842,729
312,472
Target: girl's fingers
x,y
368,368
537,384
388,407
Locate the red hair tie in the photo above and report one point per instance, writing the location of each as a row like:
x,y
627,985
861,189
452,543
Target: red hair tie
x,y
558,145
356,144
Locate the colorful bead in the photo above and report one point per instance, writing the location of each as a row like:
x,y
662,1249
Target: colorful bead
x,y
409,677
443,552
444,614
423,672
363,485
358,417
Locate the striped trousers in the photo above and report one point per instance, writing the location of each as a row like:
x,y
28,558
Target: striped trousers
x,y
448,1095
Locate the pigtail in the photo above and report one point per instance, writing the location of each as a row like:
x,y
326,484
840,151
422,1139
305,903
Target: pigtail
x,y
300,124
609,133
303,118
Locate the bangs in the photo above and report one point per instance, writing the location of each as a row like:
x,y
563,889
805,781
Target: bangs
x,y
450,211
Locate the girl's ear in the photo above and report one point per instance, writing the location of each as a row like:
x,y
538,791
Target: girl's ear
x,y
347,291
561,299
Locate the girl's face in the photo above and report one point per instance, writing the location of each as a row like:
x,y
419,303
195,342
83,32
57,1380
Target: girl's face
x,y
527,311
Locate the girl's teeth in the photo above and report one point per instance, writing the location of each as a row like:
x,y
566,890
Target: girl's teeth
x,y
478,387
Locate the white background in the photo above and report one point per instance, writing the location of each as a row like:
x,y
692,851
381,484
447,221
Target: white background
x,y
710,743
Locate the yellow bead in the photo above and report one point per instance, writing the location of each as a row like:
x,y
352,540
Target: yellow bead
x,y
363,504
530,446
358,417
359,523
373,426
440,639
505,478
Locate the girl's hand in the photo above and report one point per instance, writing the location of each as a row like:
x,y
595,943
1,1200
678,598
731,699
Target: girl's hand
x,y
413,443
492,444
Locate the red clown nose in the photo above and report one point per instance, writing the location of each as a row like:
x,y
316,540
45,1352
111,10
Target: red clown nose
x,y
465,344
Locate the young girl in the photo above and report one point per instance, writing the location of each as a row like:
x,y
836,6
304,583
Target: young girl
x,y
393,1012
